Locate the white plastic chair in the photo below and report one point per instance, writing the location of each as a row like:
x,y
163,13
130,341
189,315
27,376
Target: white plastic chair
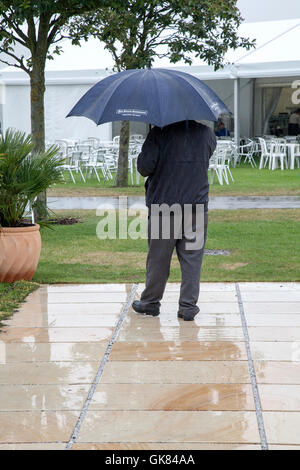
x,y
229,146
97,162
63,146
247,150
111,164
66,145
134,151
73,164
234,155
278,152
86,150
265,153
213,168
293,153
297,155
218,166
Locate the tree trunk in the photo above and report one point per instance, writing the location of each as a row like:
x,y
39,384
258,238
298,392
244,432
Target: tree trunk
x,y
37,84
122,173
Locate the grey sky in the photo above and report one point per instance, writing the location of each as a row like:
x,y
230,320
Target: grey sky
x,y
269,10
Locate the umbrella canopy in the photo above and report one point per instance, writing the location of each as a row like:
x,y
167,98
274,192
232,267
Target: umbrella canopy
x,y
155,96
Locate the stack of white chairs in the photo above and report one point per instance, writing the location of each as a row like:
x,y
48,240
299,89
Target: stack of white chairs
x,y
278,154
219,165
265,153
273,153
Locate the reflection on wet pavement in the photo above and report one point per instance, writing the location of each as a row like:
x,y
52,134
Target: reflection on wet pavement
x,y
166,383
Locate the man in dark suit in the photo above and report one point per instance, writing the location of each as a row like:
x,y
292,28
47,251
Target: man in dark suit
x,y
175,159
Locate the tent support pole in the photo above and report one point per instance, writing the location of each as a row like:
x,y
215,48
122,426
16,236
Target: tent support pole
x,y
237,111
252,128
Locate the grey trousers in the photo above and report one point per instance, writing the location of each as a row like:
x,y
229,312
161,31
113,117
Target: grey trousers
x,y
158,270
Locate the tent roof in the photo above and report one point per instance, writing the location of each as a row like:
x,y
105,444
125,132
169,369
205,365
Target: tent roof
x,y
89,77
276,55
276,41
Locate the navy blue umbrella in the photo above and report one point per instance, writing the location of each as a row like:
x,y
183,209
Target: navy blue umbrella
x,y
155,96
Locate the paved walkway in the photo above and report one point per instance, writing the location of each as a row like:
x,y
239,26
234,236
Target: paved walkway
x,y
80,370
228,202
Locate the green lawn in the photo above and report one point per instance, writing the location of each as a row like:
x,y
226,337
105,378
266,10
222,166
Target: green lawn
x,y
11,295
264,246
247,181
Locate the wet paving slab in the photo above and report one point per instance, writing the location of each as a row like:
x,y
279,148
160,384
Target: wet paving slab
x,y
137,382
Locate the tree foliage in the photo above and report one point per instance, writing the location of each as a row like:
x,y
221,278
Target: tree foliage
x,y
37,26
140,30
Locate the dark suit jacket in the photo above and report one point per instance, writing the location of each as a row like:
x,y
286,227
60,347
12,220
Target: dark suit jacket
x,y
176,160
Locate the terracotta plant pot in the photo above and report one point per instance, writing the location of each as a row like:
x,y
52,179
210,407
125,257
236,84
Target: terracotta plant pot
x,y
20,250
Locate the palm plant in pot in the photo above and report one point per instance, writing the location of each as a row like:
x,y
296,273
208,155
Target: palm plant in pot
x,y
23,175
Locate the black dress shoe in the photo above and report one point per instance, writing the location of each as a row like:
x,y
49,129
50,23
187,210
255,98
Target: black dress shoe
x,y
141,307
187,316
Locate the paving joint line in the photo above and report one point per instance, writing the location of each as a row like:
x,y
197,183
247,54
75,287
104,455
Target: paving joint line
x,y
257,402
100,370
